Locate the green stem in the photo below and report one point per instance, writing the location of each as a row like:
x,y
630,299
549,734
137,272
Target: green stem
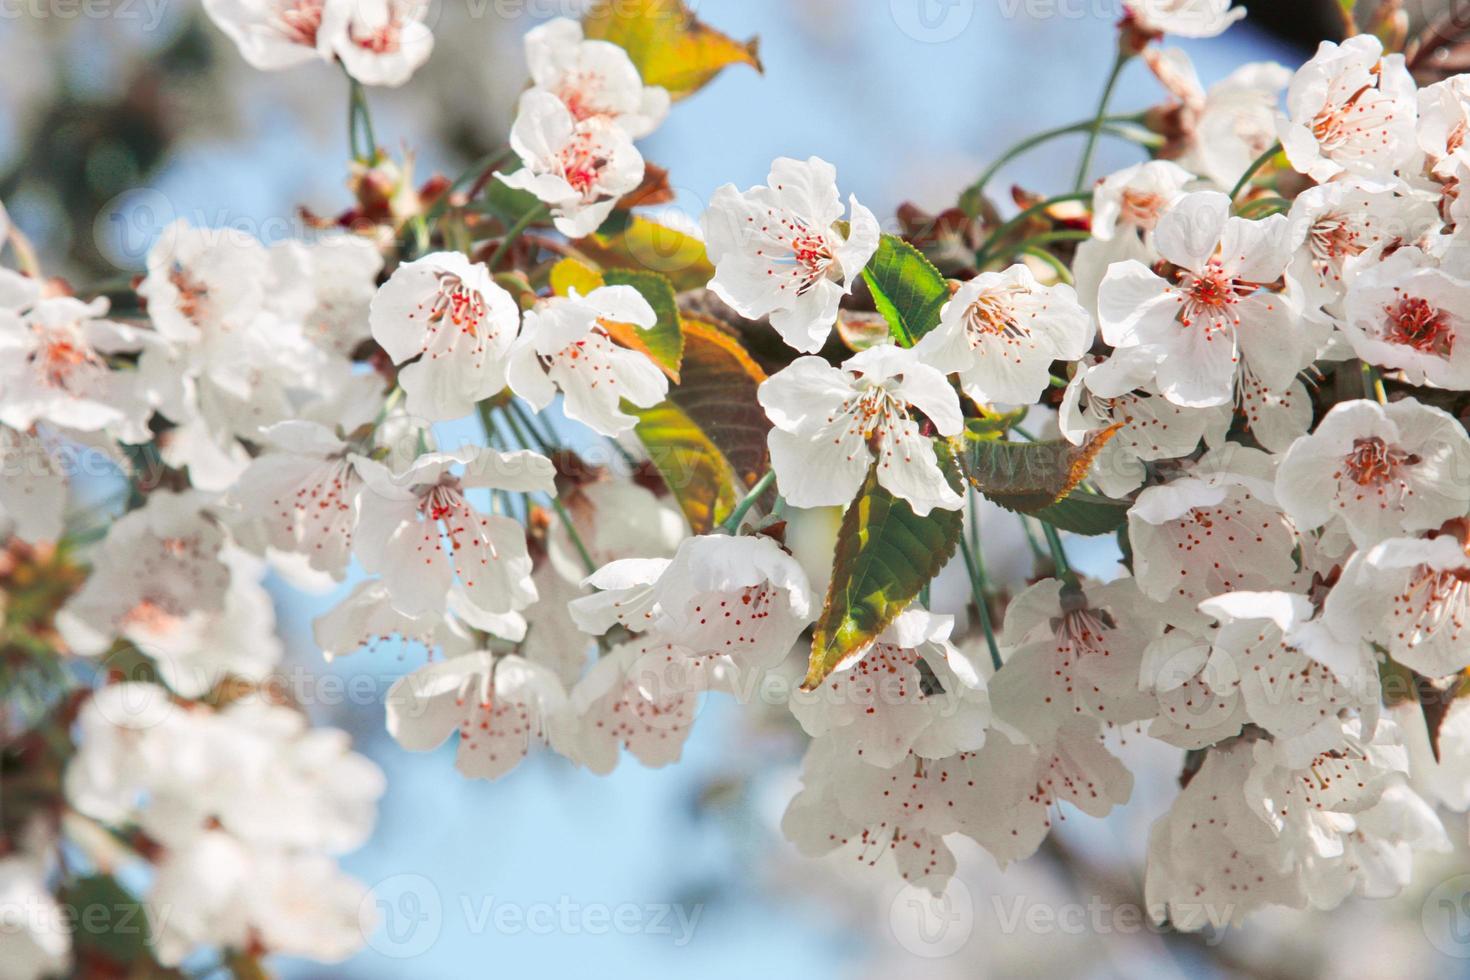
x,y
512,415
973,195
983,255
982,603
514,232
1095,130
1058,553
732,523
1057,265
360,122
1373,383
1253,169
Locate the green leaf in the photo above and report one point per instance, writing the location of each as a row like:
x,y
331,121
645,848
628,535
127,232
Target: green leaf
x,y
509,204
906,289
668,44
709,437
885,556
664,341
110,922
638,243
1029,477
1086,513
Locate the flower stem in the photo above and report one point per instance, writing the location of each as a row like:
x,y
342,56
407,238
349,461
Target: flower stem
x,y
514,232
1058,553
1095,130
732,523
512,413
1058,266
1373,383
971,198
983,255
359,122
978,590
1253,169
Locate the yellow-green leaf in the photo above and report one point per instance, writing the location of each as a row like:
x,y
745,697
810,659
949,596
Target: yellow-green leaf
x,y
885,556
664,341
569,274
670,46
648,245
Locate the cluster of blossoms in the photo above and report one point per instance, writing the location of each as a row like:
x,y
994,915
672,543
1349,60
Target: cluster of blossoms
x,y
1248,345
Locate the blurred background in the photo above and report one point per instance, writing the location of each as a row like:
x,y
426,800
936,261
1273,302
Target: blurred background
x,y
118,116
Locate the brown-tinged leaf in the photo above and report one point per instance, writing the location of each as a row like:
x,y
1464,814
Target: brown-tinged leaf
x,y
709,437
1029,477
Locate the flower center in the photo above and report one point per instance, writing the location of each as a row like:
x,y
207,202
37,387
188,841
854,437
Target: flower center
x,y
193,294
299,21
1331,126
1374,462
1142,208
582,165
994,314
1413,322
1332,239
60,355
1211,296
813,254
461,305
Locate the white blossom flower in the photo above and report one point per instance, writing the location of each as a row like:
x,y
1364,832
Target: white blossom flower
x,y
1152,428
304,490
1215,530
1183,18
1350,109
578,169
33,491
777,252
1412,597
446,312
1349,220
637,698
564,345
158,565
329,285
1444,122
1294,674
1072,653
420,532
1191,333
1405,314
593,78
1135,198
54,368
35,940
1383,470
833,424
379,42
1198,873
902,688
500,706
273,34
1234,120
1001,332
